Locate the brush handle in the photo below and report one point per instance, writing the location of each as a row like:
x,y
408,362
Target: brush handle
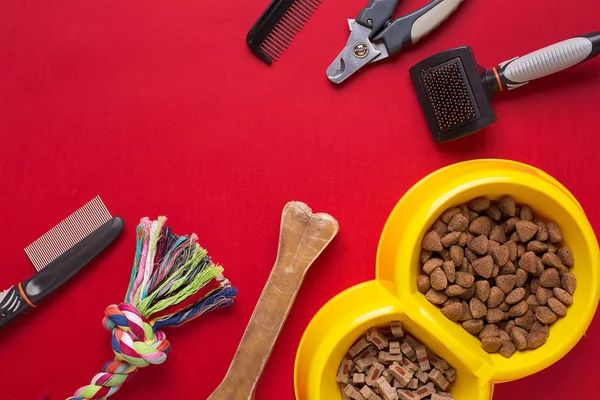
x,y
519,71
302,238
27,295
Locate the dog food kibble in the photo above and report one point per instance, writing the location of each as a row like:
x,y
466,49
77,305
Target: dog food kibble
x,y
389,364
500,272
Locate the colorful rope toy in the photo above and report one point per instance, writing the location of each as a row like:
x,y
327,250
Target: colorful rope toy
x,y
173,281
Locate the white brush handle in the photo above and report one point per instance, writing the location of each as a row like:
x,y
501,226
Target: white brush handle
x,y
433,18
549,60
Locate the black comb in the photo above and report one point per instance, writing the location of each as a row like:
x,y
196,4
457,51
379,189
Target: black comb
x,y
273,32
456,93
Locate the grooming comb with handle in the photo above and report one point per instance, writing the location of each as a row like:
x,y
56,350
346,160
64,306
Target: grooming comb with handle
x,y
275,29
456,93
59,254
302,238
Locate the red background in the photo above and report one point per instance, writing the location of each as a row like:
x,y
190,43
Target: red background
x,y
161,109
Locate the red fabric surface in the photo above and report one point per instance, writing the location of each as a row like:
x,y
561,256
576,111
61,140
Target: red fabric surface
x,y
161,109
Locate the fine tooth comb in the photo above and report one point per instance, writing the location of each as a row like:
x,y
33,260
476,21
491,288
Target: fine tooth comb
x,y
277,26
59,254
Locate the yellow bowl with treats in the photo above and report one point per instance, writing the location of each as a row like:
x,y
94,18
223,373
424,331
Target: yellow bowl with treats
x,y
394,296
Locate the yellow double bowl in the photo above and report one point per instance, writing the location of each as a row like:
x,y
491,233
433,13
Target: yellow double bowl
x,y
393,294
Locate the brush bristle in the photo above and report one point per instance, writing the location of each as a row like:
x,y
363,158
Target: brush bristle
x,y
449,95
67,233
290,24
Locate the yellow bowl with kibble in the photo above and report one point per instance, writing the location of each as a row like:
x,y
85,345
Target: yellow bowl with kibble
x,y
394,296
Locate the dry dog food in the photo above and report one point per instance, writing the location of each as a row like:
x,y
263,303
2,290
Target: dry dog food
x,y
389,364
499,271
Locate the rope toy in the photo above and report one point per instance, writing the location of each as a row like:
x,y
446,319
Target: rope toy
x,y
172,282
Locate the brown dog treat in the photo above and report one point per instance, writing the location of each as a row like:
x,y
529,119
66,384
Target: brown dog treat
x,y
386,358
512,250
451,300
495,315
387,391
456,254
462,241
494,212
403,375
509,269
481,226
406,363
518,309
554,234
353,392
552,260
479,245
540,268
484,266
495,271
423,284
363,364
534,284
489,330
539,327
491,344
470,256
370,351
496,297
436,297
477,308
526,213
396,329
526,230
450,239
521,277
492,245
362,344
377,338
343,375
510,225
408,351
529,262
519,337
438,378
374,373
500,255
565,255
394,347
368,393
507,349
464,279
472,215
525,321
411,341
449,213
510,325
549,278
450,270
532,302
545,315
438,363
432,241
466,312
445,254
479,204
467,267
497,234
536,339
569,283
468,294
454,290
422,376
438,280
542,295
507,206
425,256
482,290
542,234
453,312
425,391
358,379
422,359
458,223
557,307
563,296
440,228
552,248
537,247
441,396
504,306
514,237
506,283
432,265
473,326
515,296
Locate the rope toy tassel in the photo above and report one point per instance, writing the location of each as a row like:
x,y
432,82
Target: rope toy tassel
x,y
172,282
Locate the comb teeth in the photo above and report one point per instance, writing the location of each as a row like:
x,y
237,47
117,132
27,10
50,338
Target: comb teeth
x,y
67,233
291,23
450,95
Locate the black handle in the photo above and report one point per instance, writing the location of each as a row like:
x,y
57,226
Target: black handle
x,y
376,14
13,304
543,62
